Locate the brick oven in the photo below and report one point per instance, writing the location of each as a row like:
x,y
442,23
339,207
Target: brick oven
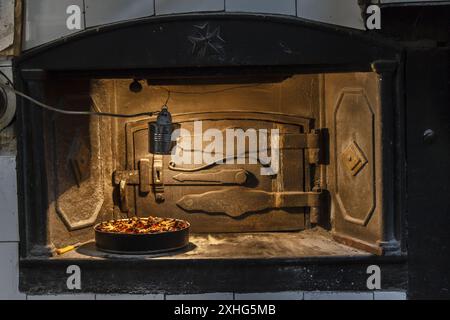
x,y
334,206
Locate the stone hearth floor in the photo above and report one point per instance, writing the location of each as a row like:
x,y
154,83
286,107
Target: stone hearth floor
x,y
311,243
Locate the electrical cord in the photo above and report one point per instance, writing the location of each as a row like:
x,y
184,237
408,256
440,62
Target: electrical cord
x,y
11,88
211,91
77,113
169,92
168,98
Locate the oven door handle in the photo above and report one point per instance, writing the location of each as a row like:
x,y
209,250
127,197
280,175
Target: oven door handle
x,y
236,202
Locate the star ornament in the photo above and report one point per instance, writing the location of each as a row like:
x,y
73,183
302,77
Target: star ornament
x,y
206,41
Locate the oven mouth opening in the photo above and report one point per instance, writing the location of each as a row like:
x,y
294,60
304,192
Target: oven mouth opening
x,y
304,163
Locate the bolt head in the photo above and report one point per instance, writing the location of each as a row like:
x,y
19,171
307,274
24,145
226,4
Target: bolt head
x,y
429,136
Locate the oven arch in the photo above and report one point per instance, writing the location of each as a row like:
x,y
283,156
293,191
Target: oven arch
x,y
211,40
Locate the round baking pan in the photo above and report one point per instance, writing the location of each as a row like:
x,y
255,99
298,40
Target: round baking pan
x,y
142,243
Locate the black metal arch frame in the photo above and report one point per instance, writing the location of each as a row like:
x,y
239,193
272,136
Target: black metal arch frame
x,y
211,40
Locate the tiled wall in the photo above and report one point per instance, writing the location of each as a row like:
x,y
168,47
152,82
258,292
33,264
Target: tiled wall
x,y
97,13
291,295
163,7
9,233
45,20
9,226
286,7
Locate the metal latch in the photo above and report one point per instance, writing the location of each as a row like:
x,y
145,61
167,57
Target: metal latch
x,y
158,184
149,175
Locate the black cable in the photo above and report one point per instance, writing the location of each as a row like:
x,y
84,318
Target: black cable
x,y
206,92
212,91
168,98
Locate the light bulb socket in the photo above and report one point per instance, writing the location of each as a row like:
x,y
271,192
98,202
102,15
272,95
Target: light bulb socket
x,y
160,133
135,86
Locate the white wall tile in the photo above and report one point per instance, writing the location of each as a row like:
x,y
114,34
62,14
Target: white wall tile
x,y
342,12
98,12
286,7
129,296
86,296
340,295
204,296
5,62
45,20
389,295
287,295
177,6
9,272
9,223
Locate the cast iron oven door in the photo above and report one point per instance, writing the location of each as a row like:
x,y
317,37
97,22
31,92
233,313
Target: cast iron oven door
x,y
223,197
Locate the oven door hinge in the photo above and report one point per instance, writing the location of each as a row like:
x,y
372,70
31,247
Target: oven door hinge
x,y
311,142
314,146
